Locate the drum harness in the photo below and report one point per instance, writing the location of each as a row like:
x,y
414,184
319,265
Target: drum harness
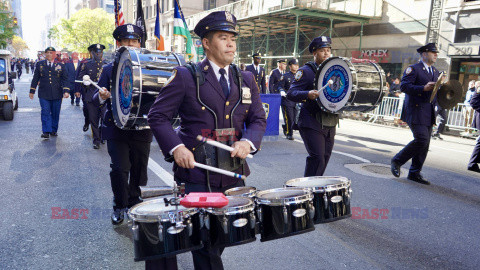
x,y
324,118
205,152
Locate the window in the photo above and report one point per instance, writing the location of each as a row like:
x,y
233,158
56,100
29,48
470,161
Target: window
x,y
209,4
3,71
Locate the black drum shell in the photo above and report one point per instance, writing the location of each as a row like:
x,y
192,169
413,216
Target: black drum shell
x,y
271,217
147,246
333,211
235,235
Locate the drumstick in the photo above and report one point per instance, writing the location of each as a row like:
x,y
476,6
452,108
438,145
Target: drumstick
x,y
330,82
87,78
217,170
217,144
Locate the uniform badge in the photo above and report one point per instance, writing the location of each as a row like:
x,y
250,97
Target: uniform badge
x,y
408,70
130,28
299,75
174,73
246,95
228,17
281,78
205,68
57,68
266,108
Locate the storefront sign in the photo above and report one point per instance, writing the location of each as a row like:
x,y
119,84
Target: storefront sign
x,y
454,49
376,55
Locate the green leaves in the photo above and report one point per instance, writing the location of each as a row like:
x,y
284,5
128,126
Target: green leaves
x,y
84,28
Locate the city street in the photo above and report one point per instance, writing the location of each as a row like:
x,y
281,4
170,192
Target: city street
x,y
422,227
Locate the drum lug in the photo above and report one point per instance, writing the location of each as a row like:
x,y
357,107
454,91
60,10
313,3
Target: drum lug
x,y
259,213
349,192
189,227
225,224
160,232
325,200
252,220
207,222
202,219
285,215
311,211
135,232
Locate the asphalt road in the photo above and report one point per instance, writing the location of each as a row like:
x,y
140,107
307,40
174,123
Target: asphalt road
x,y
426,227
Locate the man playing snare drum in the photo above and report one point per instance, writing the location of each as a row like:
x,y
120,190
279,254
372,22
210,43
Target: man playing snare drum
x,y
316,126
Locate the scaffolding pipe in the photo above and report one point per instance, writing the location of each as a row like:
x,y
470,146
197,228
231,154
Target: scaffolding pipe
x,y
295,49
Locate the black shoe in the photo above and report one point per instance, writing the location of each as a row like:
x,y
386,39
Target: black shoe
x,y
436,136
284,130
395,168
71,102
103,141
85,128
45,135
96,146
78,104
474,168
418,178
117,216
290,137
54,134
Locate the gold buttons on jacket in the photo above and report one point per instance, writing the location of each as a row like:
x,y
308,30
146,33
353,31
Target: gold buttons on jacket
x,y
227,116
228,103
203,108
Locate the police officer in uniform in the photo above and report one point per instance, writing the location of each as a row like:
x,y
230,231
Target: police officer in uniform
x,y
288,106
258,72
218,106
52,81
316,126
128,149
475,158
92,68
276,75
417,83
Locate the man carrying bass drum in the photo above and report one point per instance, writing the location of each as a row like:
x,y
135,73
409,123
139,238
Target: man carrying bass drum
x,y
316,126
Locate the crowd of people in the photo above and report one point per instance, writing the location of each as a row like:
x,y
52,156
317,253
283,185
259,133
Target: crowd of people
x,y
228,106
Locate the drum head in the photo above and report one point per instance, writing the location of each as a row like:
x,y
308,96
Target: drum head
x,y
241,191
319,182
334,97
283,195
235,205
122,87
155,210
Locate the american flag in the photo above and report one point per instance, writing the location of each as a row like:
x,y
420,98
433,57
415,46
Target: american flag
x,y
119,19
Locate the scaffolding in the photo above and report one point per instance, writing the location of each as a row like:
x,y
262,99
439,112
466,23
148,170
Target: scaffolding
x,y
284,28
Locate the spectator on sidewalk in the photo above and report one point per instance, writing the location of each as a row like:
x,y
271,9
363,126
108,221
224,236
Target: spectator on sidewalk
x,y
475,158
468,110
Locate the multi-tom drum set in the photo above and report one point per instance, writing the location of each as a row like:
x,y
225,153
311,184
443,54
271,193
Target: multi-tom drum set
x,y
162,227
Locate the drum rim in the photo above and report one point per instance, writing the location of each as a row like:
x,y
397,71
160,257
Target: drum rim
x,y
250,206
307,196
346,183
163,217
251,193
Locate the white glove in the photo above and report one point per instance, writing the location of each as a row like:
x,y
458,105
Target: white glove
x,y
283,94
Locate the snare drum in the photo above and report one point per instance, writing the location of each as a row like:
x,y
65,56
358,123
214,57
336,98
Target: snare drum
x,y
138,76
331,196
233,224
163,231
284,212
241,191
357,86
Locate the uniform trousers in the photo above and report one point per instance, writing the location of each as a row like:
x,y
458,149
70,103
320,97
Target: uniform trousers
x,y
94,119
443,118
289,114
74,98
85,113
475,158
207,258
129,159
417,149
50,114
319,145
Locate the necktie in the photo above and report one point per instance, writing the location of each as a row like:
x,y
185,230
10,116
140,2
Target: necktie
x,y
223,82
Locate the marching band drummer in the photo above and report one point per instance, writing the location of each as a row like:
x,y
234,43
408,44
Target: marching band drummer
x,y
316,126
221,107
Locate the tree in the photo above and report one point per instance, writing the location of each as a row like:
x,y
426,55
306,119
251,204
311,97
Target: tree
x,y
19,46
83,29
7,27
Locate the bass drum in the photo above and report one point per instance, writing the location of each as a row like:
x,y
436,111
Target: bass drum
x,y
137,78
356,86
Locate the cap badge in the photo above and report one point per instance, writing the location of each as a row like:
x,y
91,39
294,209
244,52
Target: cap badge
x,y
324,39
98,46
130,28
228,17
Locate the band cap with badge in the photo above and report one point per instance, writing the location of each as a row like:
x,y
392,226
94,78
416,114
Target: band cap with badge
x,y
127,31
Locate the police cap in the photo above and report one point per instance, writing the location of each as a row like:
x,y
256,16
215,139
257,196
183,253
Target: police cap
x,y
430,47
293,62
216,21
257,55
128,31
50,49
96,47
320,42
281,60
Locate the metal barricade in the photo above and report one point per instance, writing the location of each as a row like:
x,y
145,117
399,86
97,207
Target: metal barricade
x,y
460,117
389,109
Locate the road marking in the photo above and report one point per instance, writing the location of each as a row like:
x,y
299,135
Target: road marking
x,y
451,150
343,153
166,177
